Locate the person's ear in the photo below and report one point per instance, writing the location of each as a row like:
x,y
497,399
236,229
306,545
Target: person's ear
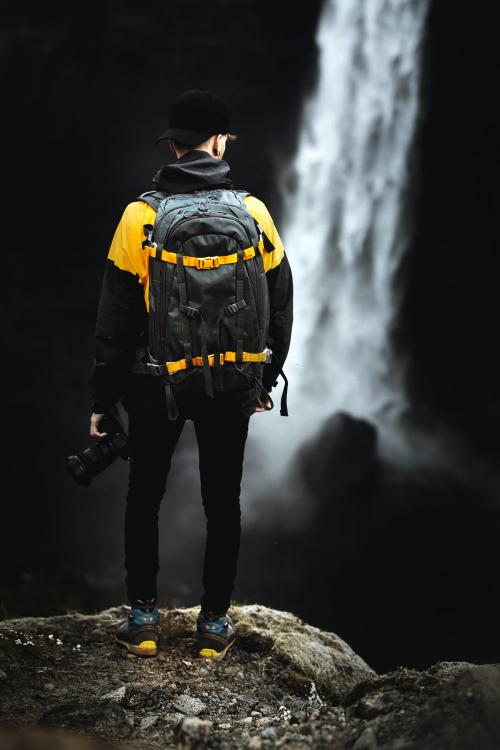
x,y
218,146
172,149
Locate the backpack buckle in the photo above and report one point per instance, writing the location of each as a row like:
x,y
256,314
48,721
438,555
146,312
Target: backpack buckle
x,y
148,233
210,261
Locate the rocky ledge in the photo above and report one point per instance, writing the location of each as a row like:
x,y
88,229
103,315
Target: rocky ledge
x,y
65,684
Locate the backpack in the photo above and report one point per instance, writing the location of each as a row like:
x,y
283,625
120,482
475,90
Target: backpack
x,y
209,302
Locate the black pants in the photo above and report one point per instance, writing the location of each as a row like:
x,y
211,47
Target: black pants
x,y
221,429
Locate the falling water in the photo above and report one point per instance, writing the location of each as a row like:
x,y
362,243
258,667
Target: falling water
x,y
346,224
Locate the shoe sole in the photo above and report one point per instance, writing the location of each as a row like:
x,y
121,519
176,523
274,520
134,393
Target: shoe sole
x,y
211,653
145,648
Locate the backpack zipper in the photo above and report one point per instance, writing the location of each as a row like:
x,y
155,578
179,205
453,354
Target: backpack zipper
x,y
213,213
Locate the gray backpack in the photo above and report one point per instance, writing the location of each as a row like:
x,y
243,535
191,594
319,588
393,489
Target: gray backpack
x,y
208,296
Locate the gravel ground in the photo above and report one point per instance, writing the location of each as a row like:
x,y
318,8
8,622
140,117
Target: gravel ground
x,y
283,684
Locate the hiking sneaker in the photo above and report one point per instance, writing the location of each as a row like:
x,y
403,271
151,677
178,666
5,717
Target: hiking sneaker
x,y
139,633
216,634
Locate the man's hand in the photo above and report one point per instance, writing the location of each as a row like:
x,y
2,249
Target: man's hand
x,y
94,426
96,418
261,408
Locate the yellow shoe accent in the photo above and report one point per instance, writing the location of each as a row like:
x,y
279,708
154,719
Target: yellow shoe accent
x,y
145,648
209,653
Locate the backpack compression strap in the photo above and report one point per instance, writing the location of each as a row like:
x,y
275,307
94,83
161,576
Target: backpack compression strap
x,y
284,405
209,261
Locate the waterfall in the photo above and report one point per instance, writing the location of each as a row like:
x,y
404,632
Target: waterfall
x,y
346,221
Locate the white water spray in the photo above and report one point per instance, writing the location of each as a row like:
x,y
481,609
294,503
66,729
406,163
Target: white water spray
x,y
346,222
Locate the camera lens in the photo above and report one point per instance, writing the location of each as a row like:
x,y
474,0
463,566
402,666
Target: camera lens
x,y
78,470
84,466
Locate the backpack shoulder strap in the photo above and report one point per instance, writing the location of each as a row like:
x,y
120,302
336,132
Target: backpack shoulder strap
x,y
153,198
241,194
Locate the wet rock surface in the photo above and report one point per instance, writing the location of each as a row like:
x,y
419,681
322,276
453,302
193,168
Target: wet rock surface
x,y
283,684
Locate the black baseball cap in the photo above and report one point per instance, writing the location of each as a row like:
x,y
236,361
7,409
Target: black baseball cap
x,y
195,116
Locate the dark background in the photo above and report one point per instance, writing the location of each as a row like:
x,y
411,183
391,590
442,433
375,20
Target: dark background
x,y
403,566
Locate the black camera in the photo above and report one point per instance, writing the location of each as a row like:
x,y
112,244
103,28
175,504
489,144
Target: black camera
x,y
84,466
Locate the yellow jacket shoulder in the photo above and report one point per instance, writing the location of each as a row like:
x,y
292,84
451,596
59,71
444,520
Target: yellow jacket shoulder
x,y
126,247
274,251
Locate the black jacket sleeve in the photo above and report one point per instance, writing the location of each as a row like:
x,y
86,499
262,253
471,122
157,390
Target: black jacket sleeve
x,y
280,284
121,319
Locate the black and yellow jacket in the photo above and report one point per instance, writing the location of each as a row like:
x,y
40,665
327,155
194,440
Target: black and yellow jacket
x,y
121,323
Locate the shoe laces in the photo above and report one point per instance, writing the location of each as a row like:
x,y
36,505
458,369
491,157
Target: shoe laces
x,y
211,622
144,612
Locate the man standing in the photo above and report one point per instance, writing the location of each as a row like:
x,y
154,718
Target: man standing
x,y
197,134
